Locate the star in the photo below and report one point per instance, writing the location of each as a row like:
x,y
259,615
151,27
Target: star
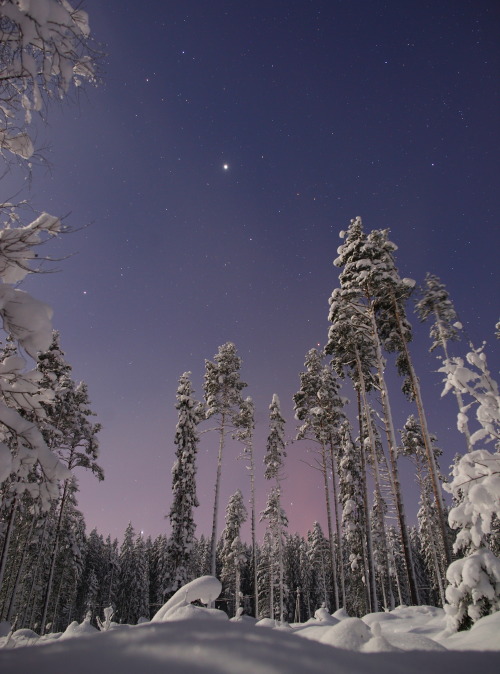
x,y
225,167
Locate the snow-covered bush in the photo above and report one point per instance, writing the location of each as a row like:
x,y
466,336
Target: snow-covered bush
x,y
474,589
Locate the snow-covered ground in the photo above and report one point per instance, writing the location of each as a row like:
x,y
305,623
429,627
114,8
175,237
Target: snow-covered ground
x,y
186,638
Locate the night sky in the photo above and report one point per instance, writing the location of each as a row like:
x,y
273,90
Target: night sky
x,y
228,144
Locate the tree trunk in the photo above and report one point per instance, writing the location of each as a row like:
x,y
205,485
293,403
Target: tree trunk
x,y
333,563
369,566
8,536
213,544
426,437
396,485
20,569
337,524
53,558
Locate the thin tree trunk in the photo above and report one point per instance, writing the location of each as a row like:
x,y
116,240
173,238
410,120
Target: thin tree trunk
x,y
337,524
370,567
432,543
271,579
20,569
386,582
213,544
254,542
333,563
53,558
426,437
396,485
8,536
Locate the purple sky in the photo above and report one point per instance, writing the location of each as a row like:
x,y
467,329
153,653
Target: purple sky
x,y
322,110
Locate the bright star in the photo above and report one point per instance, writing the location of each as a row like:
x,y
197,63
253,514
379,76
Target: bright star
x,y
225,167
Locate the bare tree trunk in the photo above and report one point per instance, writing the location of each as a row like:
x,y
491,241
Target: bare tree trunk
x,y
432,543
370,566
433,473
254,542
333,563
53,558
386,582
213,544
337,524
34,578
8,536
396,485
20,569
271,579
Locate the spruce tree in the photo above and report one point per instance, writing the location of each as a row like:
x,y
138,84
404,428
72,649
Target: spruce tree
x,y
274,461
183,485
232,553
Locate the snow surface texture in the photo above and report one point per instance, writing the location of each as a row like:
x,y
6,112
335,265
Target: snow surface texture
x,y
344,645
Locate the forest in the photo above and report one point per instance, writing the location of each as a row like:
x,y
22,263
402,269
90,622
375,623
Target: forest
x,y
52,572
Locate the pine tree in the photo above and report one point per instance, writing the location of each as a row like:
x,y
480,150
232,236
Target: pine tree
x,y
222,387
183,485
435,302
319,406
245,424
232,554
69,431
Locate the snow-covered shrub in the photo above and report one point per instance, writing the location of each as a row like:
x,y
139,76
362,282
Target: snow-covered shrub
x,y
474,589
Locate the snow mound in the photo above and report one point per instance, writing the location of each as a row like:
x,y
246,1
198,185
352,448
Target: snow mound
x,y
324,617
340,614
374,618
410,641
77,630
484,635
378,643
205,589
350,634
266,622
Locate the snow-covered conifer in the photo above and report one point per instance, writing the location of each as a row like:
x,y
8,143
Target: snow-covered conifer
x,y
274,462
222,386
318,406
232,553
435,302
190,413
277,525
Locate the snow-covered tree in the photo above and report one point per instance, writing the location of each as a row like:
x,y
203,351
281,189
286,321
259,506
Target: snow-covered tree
x,y
435,303
318,406
44,48
277,525
474,589
232,552
190,413
413,447
245,424
274,462
222,386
